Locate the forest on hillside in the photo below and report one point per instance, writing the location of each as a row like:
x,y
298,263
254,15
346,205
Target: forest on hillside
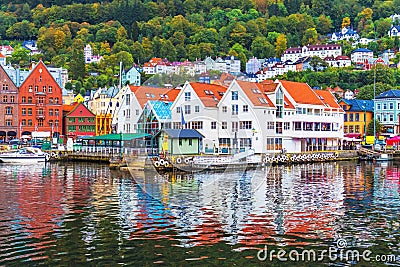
x,y
133,31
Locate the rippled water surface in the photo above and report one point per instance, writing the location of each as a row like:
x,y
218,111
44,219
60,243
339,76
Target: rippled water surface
x,y
87,215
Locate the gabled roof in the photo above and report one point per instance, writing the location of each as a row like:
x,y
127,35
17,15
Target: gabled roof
x,y
69,108
328,99
301,93
358,105
389,94
209,94
75,106
182,133
40,67
145,93
256,92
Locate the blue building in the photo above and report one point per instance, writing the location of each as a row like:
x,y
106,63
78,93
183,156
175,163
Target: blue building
x,y
387,107
131,76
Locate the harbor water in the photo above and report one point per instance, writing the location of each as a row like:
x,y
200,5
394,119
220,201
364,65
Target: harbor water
x,y
80,214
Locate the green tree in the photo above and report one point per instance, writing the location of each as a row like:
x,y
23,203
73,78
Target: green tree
x,y
20,56
310,36
77,62
280,44
367,91
261,48
370,128
324,24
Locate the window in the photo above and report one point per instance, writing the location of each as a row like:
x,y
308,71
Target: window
x,y
44,89
187,96
213,125
177,125
224,125
90,119
299,111
378,106
187,109
197,109
286,126
245,108
8,110
245,125
180,142
197,125
36,88
56,123
29,100
128,100
29,122
178,110
71,128
297,125
30,89
224,142
391,105
357,117
40,78
50,123
270,125
235,109
345,117
351,129
23,122
5,86
384,105
56,100
278,127
23,111
351,117
12,99
50,89
235,126
23,99
8,122
81,119
56,112
40,123
391,117
357,128
224,109
50,112
235,95
279,103
5,99
50,100
29,111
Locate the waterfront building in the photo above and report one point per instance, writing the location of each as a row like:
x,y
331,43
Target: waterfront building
x,y
156,115
358,115
104,124
104,101
40,98
195,107
387,110
9,124
80,121
280,115
132,102
179,142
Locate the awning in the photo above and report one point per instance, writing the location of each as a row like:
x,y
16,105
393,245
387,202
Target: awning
x,y
12,133
352,135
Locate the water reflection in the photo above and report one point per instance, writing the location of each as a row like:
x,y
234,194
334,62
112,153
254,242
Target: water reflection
x,y
83,212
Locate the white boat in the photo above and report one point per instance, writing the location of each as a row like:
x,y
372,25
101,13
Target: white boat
x,y
385,157
25,155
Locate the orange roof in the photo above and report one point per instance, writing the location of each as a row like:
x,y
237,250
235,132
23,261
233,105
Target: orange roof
x,y
288,104
145,93
328,99
1,55
256,92
69,108
134,88
301,93
209,94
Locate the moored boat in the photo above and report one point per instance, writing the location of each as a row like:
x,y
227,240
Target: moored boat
x,y
25,155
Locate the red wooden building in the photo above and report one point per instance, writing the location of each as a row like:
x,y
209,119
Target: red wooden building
x,y
40,99
8,108
80,121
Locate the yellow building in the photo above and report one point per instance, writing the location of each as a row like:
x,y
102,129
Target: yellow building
x,y
103,124
358,114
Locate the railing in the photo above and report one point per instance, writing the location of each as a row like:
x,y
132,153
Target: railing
x,y
113,151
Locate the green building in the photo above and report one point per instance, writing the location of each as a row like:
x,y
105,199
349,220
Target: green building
x,y
179,142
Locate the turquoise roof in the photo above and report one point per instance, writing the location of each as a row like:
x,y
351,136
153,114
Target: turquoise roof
x,y
162,109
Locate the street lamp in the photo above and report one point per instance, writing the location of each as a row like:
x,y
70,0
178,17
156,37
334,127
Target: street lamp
x,y
365,122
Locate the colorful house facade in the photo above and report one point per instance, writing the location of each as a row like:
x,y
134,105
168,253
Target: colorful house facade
x,y
80,121
387,110
358,114
8,108
40,99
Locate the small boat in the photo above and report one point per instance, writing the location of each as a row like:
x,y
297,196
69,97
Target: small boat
x,y
384,157
25,155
